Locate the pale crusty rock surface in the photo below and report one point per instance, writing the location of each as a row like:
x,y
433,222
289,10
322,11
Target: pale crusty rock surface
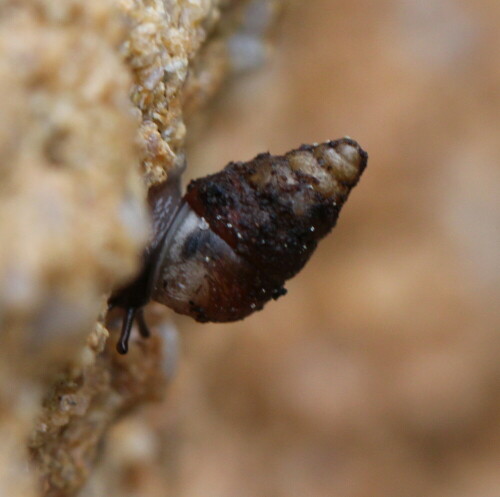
x,y
84,402
180,53
91,91
71,213
163,38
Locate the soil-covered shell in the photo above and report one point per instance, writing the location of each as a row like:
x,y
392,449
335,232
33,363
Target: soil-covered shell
x,y
274,209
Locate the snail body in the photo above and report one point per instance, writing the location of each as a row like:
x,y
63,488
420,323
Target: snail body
x,y
227,247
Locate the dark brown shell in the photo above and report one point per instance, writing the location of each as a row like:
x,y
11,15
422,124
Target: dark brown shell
x,y
235,238
273,210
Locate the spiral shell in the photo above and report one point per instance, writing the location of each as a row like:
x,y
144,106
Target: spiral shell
x,y
242,232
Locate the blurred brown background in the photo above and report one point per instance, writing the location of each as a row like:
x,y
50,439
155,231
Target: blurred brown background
x,y
378,374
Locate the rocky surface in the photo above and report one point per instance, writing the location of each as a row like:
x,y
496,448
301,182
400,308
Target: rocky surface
x,y
377,375
93,113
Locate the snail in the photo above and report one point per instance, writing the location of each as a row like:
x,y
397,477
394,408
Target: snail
x,y
227,246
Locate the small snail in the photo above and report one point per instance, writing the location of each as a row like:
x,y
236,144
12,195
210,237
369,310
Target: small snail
x,y
227,247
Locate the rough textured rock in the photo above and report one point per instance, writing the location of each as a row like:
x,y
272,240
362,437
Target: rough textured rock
x,y
180,53
82,404
94,93
72,215
377,375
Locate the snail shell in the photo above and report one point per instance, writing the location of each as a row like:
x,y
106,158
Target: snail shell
x,y
228,246
241,233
